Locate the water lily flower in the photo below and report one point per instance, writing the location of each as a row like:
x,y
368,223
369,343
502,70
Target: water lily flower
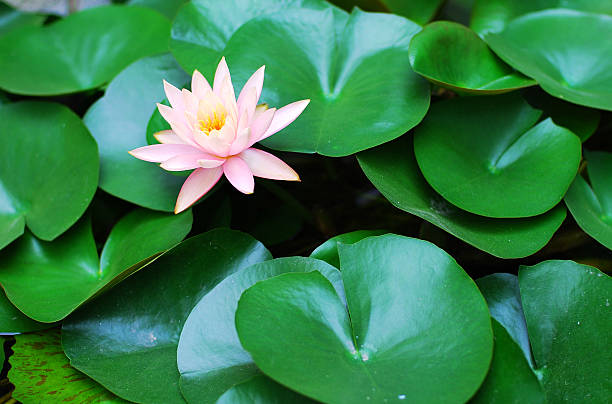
x,y
212,134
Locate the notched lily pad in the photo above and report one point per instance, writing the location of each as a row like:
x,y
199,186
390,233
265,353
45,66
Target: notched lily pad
x,y
328,251
453,56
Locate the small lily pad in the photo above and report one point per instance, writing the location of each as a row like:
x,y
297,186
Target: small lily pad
x,y
328,251
261,389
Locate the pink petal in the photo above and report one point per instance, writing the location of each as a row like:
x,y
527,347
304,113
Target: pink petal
x,y
197,184
213,143
170,115
183,162
174,96
255,82
266,165
191,101
241,142
199,85
161,152
239,175
284,117
246,110
261,124
225,90
220,74
168,137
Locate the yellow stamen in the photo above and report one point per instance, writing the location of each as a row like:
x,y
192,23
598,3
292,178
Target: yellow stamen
x,y
214,121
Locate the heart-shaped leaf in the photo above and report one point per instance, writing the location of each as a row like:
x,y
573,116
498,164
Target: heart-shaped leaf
x,y
502,166
544,46
591,206
80,52
41,373
261,389
393,170
328,251
364,73
494,15
13,321
568,309
416,328
11,19
130,346
453,56
48,169
118,122
210,357
48,280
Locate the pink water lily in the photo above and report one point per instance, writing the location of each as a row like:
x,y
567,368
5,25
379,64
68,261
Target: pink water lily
x,y
212,134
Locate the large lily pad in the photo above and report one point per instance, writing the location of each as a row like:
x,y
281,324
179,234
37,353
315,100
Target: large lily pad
x,y
494,15
392,169
13,321
41,373
568,309
80,52
328,251
261,389
46,184
488,156
356,75
118,121
48,280
453,56
591,205
419,11
416,328
11,19
210,357
128,339
545,46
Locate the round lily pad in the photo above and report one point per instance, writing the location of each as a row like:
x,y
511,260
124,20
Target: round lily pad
x,y
81,51
13,321
261,389
393,170
32,271
453,56
118,121
546,47
591,205
44,184
210,357
416,328
419,11
130,346
568,307
328,251
488,156
363,74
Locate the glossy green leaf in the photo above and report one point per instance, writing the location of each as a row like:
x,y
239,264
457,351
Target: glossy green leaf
x,y
418,327
488,156
393,170
261,390
41,373
568,310
210,357
328,251
453,56
33,271
48,169
11,19
545,46
591,205
494,15
364,74
127,340
118,122
80,52
13,321
419,11
510,379
169,8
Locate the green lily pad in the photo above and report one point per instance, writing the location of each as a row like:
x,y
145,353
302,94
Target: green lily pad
x,y
13,321
494,15
453,56
328,251
544,46
32,271
130,345
11,19
46,184
118,121
41,373
210,357
261,389
342,79
568,309
393,170
419,11
488,156
169,8
416,328
591,205
80,52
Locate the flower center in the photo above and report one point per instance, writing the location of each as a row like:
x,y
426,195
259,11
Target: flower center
x,y
213,121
